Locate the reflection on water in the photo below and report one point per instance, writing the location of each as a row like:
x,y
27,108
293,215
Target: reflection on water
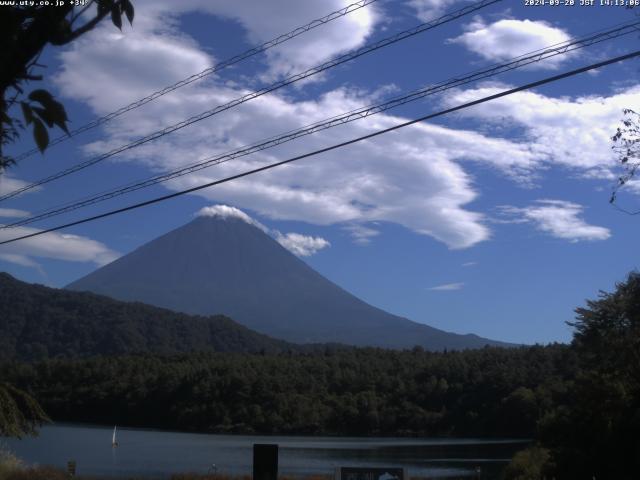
x,y
156,453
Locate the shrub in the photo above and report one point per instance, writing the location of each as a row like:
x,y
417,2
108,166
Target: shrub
x,y
529,464
9,463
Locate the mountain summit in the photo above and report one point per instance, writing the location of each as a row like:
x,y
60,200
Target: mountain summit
x,y
227,264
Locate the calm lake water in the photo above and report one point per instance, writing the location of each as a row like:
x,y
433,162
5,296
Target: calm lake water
x,y
153,453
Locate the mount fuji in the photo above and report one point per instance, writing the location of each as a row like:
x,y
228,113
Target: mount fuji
x,y
227,264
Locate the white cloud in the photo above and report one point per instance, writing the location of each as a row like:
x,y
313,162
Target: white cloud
x,y
448,287
161,55
266,20
9,184
150,57
571,132
296,243
469,264
226,211
430,9
505,39
559,218
413,178
12,213
361,234
410,178
632,186
21,260
301,245
72,248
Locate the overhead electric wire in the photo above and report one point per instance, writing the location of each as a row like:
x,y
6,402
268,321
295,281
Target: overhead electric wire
x,y
488,98
423,27
207,71
363,112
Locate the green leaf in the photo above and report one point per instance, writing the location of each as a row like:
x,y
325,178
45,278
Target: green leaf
x,y
116,17
127,7
40,134
58,115
27,113
41,96
53,112
62,126
60,112
104,6
45,115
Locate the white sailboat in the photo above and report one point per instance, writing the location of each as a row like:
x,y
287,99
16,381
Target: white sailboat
x,y
114,442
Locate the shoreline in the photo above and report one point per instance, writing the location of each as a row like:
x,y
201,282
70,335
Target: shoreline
x,y
480,440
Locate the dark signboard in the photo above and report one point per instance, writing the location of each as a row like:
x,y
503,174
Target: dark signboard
x,y
265,461
367,473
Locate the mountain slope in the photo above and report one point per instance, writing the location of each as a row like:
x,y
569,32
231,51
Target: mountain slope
x,y
38,322
226,265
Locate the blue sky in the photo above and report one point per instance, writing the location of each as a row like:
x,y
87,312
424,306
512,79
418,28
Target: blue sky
x,y
494,220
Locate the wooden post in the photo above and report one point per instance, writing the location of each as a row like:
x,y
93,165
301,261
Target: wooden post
x,y
265,461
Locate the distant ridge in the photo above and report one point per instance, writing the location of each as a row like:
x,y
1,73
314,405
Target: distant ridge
x,y
38,322
228,265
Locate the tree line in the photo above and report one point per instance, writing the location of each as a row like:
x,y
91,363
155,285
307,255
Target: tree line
x,y
370,391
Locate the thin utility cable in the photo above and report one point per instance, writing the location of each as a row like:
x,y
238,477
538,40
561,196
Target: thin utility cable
x,y
250,96
511,91
357,114
208,71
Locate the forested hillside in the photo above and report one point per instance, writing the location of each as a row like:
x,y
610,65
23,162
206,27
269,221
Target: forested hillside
x,y
37,322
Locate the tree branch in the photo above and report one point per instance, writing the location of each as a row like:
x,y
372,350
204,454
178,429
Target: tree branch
x,y
90,25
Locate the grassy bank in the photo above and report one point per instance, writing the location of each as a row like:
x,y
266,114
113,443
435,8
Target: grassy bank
x,y
11,468
51,473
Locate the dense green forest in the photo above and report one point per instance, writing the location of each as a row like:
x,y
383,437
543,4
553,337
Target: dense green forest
x,y
37,322
491,391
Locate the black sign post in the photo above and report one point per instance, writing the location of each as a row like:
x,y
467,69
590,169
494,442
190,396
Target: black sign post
x,y
265,461
366,473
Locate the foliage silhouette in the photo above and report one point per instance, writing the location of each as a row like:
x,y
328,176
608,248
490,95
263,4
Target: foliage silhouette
x,y
24,33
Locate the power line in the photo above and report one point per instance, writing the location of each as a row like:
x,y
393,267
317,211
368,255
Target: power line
x,y
208,71
423,27
332,147
518,62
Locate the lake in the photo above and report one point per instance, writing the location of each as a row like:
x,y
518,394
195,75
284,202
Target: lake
x,y
154,453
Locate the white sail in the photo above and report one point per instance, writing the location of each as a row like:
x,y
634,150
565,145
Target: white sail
x,y
113,440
